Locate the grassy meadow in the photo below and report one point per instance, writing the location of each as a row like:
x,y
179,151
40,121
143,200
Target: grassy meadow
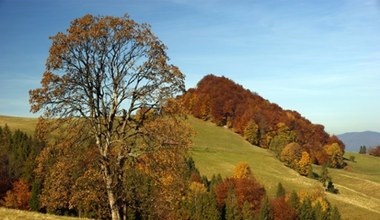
x,y
25,124
218,150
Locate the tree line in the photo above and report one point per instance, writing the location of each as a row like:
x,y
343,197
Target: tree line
x,y
293,138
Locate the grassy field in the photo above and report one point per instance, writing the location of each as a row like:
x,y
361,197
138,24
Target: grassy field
x,y
25,124
218,150
11,214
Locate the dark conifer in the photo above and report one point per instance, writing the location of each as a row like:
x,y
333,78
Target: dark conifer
x,y
280,190
294,200
306,210
334,214
232,208
266,211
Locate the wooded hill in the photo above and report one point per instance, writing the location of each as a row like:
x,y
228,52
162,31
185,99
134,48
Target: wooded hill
x,y
261,122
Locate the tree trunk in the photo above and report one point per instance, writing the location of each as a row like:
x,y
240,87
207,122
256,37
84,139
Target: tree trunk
x,y
114,206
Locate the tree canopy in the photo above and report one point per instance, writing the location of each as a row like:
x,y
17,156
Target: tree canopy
x,y
101,72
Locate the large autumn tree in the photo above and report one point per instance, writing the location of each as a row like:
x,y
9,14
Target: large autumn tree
x,y
101,72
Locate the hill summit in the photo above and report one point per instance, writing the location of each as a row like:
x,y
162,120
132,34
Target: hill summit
x,y
261,122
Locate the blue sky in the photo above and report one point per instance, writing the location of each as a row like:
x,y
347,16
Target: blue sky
x,y
320,58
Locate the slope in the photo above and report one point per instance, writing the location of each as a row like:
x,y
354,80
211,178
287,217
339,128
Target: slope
x,y
218,150
25,124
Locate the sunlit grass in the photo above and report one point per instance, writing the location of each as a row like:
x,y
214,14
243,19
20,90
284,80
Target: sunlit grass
x,y
218,150
12,214
27,125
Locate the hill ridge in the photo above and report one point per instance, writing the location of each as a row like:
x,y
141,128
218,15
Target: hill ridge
x,y
353,140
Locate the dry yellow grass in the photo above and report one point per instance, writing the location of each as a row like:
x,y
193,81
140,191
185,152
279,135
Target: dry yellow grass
x,y
27,125
12,214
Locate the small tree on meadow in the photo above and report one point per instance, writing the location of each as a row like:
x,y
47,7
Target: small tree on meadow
x,y
303,165
363,150
324,176
280,191
252,133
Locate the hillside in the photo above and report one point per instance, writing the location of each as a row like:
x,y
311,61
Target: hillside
x,y
218,150
25,124
353,140
264,124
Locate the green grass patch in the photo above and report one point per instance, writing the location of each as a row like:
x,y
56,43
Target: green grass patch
x,y
218,150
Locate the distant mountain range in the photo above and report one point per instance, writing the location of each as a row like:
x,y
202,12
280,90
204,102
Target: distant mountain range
x,y
353,140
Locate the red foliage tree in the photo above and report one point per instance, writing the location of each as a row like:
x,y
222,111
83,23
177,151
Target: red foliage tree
x,y
375,151
19,196
282,210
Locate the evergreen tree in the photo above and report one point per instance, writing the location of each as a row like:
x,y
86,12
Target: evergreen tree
x,y
319,213
280,190
306,210
232,208
247,211
266,211
190,168
330,187
210,204
324,175
215,180
334,214
294,200
310,172
34,203
363,150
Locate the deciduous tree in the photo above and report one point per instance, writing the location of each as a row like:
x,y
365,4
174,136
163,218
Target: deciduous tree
x,y
242,170
375,151
103,70
291,154
18,197
335,154
304,164
252,133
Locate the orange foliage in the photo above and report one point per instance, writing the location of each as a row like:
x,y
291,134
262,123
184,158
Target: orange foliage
x,y
304,163
19,196
245,187
242,170
282,210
